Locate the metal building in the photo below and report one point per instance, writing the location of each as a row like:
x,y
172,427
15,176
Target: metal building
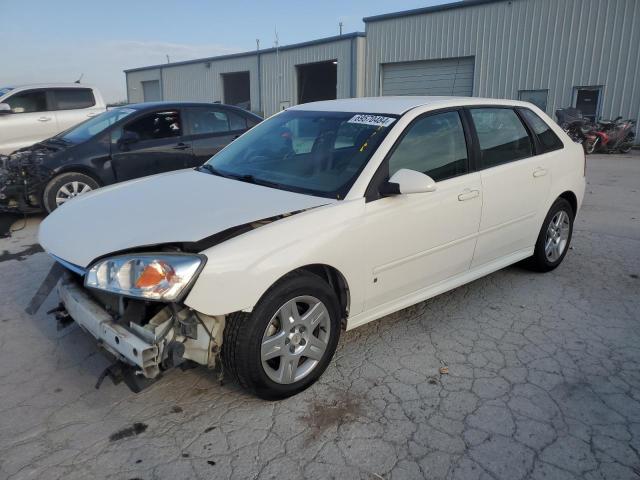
x,y
264,81
555,53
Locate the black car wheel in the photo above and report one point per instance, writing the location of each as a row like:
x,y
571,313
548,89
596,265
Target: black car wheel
x,y
65,187
287,341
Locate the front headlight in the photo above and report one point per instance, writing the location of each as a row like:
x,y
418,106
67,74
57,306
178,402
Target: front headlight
x,y
152,276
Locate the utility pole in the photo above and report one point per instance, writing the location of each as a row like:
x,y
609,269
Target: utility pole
x,y
340,27
168,59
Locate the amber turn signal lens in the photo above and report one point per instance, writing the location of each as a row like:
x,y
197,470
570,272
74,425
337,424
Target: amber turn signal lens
x,y
153,274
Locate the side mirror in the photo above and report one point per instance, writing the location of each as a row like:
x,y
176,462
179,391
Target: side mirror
x,y
5,108
406,181
128,138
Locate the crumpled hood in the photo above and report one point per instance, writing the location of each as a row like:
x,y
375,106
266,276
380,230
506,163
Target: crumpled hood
x,y
176,207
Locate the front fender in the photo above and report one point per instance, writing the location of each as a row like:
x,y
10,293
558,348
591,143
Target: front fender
x,y
239,271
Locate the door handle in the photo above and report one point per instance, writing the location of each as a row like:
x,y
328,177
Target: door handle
x,y
181,146
540,172
44,119
468,195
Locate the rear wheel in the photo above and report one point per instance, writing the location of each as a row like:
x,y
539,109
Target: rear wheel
x,y
65,187
287,342
627,143
554,237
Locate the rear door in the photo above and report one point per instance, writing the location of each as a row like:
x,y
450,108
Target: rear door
x,y
515,184
73,105
161,146
210,129
31,120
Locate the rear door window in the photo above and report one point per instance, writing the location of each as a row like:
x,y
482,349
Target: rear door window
x,y
73,98
206,121
502,136
236,121
434,145
548,140
157,125
28,102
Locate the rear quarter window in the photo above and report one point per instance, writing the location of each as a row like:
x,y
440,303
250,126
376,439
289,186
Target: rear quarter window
x,y
73,98
547,139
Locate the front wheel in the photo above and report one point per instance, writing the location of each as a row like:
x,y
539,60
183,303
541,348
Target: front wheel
x,y
287,342
590,145
554,237
66,187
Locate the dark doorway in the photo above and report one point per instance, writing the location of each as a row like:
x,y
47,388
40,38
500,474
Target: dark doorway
x,y
237,89
588,100
317,81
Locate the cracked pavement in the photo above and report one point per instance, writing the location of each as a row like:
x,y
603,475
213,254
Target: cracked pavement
x,y
543,380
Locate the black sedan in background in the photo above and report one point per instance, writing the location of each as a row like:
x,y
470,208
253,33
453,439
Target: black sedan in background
x,y
120,144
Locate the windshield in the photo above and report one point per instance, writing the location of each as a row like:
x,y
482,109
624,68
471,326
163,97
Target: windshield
x,y
4,91
318,153
87,129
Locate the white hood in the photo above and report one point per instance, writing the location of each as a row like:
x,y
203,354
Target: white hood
x,y
182,206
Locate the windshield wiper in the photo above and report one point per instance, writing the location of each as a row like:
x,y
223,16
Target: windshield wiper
x,y
211,169
257,181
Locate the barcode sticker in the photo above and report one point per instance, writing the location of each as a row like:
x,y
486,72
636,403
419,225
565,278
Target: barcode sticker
x,y
375,120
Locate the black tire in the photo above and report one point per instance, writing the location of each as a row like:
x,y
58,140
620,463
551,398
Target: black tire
x,y
627,144
539,261
56,183
243,336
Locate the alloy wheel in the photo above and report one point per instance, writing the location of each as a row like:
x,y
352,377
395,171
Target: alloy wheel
x,y
71,190
295,339
557,236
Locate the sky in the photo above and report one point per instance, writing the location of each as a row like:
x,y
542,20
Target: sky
x,y
59,40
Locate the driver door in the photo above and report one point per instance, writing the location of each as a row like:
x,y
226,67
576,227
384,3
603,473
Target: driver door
x,y
418,240
160,146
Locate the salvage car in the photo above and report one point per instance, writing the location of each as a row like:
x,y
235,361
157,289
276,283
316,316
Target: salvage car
x,y
324,217
120,144
31,113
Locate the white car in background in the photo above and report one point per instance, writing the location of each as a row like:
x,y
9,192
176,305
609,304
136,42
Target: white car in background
x,y
324,217
32,113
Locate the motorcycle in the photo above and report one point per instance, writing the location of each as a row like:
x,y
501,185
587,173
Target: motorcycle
x,y
610,136
574,124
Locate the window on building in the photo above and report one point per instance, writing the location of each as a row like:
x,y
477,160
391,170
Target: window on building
x,y
73,98
28,102
156,125
502,136
434,145
537,97
548,140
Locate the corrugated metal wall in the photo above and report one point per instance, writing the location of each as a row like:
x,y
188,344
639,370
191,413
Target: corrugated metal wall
x,y
135,93
279,74
202,80
524,45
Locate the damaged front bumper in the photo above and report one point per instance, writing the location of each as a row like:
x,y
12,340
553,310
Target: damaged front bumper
x,y
22,180
170,337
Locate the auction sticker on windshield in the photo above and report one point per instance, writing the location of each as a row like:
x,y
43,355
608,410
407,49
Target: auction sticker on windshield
x,y
375,120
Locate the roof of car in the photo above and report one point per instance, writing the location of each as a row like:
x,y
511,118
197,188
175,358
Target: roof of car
x,y
50,85
398,105
169,104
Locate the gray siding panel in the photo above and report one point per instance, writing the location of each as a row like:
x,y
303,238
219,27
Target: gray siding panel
x,y
523,45
431,77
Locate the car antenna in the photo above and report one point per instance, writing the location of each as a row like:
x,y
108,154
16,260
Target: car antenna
x,y
78,80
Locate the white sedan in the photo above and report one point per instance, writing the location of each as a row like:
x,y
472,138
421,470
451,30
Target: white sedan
x,y
325,217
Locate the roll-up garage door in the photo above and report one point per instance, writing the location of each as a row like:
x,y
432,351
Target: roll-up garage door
x,y
452,76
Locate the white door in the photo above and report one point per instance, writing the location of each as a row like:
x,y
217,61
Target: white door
x,y
417,240
30,120
515,184
451,76
74,105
